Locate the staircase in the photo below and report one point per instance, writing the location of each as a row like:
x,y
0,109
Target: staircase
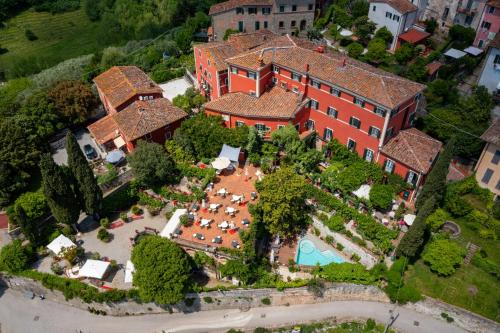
x,y
472,249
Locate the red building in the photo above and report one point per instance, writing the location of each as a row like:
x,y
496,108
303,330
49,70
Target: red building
x,y
135,110
284,81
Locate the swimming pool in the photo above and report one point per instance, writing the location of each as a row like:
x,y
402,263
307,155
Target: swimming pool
x,y
309,255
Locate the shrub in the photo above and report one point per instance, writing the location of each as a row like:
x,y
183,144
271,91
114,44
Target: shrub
x,y
381,196
355,50
56,268
437,219
340,247
105,223
189,302
355,257
124,216
136,210
14,257
104,235
208,299
443,256
266,301
30,35
329,239
336,223
346,272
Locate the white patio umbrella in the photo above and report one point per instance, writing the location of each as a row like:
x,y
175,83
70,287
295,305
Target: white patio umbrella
x,y
220,163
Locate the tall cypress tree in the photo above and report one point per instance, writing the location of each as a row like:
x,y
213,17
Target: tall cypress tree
x,y
61,199
90,192
28,227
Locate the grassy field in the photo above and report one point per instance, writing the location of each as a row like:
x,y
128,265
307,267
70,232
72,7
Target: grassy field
x,y
469,288
60,37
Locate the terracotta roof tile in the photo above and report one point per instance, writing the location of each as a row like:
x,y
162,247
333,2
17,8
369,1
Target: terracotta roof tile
x,y
143,117
433,67
120,83
104,130
492,134
231,4
414,149
275,103
371,83
402,6
414,36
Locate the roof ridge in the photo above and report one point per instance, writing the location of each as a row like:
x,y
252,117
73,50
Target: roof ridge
x,y
419,134
291,40
413,153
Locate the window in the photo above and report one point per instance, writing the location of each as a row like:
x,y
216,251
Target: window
x,y
335,92
225,81
332,112
252,75
282,9
368,155
297,127
394,112
496,158
355,122
390,132
327,134
315,84
491,10
257,25
252,10
310,6
281,24
486,25
294,8
240,26
412,178
497,59
234,70
309,125
280,126
208,62
266,10
351,144
411,119
274,80
295,90
240,10
395,18
276,69
314,104
239,123
260,127
359,102
389,166
445,13
296,77
283,85
487,176
480,44
388,15
265,25
374,8
379,111
293,24
373,131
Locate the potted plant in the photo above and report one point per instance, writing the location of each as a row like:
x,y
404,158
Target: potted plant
x,y
105,223
136,210
124,217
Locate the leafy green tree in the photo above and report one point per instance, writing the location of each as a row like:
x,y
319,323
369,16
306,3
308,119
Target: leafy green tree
x,y
151,164
189,101
412,241
384,34
314,34
237,268
405,53
282,201
162,270
285,135
435,184
462,34
376,51
229,32
33,205
359,8
74,100
436,220
417,71
90,192
381,196
13,257
443,256
11,183
57,187
39,116
28,228
430,25
17,148
364,27
355,50
341,17
254,141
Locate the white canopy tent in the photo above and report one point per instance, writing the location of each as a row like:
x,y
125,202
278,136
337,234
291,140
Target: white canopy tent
x,y
60,244
363,192
409,219
473,51
173,223
94,269
129,269
231,153
454,53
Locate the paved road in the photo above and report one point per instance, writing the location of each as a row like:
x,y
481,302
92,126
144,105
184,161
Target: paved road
x,y
20,315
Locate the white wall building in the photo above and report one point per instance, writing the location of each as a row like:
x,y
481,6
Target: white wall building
x,y
396,15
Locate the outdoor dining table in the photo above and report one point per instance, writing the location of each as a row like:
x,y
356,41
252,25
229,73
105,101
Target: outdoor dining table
x,y
230,210
205,222
224,225
213,206
236,198
222,191
199,236
217,240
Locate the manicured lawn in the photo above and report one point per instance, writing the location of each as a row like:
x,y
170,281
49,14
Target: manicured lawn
x,y
60,37
469,288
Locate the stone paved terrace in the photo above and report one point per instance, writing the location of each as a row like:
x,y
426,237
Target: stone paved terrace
x,y
235,183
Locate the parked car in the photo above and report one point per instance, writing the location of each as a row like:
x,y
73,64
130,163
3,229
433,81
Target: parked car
x,y
89,151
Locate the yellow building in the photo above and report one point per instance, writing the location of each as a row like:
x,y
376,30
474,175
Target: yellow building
x,y
488,167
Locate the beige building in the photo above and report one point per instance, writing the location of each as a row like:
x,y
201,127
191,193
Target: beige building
x,y
279,16
488,166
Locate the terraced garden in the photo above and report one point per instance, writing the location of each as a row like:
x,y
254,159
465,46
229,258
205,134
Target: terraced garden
x,y
59,37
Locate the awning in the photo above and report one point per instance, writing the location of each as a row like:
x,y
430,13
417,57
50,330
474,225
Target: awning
x,y
233,154
220,163
363,192
473,50
455,54
119,142
129,269
409,219
59,244
173,223
94,269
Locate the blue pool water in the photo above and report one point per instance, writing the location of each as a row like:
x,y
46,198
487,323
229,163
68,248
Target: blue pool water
x,y
308,254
